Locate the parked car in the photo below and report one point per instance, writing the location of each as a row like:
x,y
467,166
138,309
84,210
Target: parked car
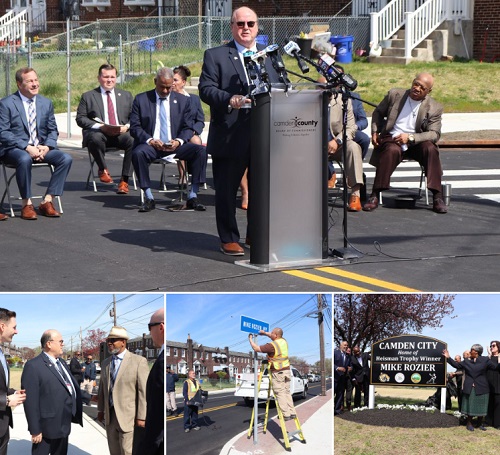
x,y
245,386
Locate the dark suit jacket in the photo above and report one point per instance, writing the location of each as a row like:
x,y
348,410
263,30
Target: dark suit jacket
x,y
153,444
5,411
76,369
223,76
359,112
48,401
14,129
475,373
92,106
337,362
360,372
143,117
494,377
198,114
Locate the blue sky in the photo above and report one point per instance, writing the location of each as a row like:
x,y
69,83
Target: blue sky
x,y
214,320
70,312
477,321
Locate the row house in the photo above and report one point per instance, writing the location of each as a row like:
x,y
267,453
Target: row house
x,y
144,347
205,360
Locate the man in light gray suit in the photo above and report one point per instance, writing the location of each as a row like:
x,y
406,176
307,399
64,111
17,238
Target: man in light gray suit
x,y
112,106
28,134
121,401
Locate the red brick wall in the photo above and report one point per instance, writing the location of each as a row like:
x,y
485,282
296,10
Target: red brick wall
x,y
294,8
486,42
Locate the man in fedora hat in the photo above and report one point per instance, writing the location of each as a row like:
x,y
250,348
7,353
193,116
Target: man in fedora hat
x,y
121,401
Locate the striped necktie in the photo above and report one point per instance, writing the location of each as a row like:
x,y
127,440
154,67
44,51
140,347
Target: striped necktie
x,y
32,122
112,377
69,385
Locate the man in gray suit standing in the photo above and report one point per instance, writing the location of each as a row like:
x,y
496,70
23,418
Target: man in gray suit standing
x,y
28,134
112,106
9,398
121,401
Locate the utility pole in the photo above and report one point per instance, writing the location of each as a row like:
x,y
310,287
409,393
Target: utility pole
x,y
112,312
321,344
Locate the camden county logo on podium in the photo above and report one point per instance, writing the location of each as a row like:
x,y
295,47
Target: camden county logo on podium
x,y
408,360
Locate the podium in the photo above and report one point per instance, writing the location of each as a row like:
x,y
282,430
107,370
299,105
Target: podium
x,y
288,212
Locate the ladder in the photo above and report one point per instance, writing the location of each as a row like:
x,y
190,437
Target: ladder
x,y
286,435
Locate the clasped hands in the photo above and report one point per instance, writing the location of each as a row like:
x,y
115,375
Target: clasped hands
x,y
400,139
157,144
37,152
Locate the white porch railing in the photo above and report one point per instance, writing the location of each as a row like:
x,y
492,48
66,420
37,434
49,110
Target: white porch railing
x,y
14,28
420,17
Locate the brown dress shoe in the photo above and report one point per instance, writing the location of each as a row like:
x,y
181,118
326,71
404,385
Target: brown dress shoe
x,y
104,176
333,180
3,216
28,212
232,249
122,188
371,204
47,209
354,203
439,206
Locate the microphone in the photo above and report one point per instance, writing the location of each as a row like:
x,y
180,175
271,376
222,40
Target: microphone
x,y
292,49
277,62
250,66
327,65
258,58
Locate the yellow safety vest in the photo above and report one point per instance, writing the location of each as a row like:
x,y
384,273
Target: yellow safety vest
x,y
192,388
280,358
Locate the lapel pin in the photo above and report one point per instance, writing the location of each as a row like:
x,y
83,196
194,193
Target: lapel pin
x,y
175,101
236,58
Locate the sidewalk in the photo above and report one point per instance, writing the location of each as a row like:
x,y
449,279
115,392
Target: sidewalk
x,y
87,440
316,419
451,122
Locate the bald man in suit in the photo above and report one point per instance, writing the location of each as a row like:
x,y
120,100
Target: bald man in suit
x,y
121,401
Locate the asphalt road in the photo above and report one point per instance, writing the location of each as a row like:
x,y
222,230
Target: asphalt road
x,y
223,418
102,243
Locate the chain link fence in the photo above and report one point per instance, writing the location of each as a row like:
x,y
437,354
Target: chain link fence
x,y
67,63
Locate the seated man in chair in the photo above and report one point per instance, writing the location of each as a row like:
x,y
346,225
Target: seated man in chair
x,y
112,106
161,124
407,124
28,134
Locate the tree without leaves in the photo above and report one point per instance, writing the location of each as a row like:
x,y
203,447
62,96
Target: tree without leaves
x,y
91,343
362,319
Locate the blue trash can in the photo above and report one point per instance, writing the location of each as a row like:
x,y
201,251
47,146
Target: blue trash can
x,y
262,39
344,48
147,45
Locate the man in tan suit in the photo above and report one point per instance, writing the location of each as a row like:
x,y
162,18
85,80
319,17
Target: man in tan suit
x,y
122,393
407,124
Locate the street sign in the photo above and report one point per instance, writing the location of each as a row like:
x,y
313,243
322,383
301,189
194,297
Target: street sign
x,y
253,325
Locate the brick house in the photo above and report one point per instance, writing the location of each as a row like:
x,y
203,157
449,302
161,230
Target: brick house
x,y
205,360
143,346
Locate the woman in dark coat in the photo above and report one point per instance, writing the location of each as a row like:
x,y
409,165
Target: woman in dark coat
x,y
493,417
476,390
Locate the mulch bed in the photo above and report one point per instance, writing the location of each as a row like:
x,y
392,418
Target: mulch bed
x,y
401,418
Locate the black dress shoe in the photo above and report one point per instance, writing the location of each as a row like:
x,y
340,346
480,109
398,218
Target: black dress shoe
x,y
193,204
439,206
148,205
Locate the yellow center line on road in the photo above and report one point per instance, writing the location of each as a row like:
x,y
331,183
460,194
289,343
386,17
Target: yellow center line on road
x,y
216,408
385,285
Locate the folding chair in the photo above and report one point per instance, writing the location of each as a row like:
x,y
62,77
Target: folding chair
x,y
7,181
91,174
423,179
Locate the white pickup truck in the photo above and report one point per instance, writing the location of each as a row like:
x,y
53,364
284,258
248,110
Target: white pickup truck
x,y
245,386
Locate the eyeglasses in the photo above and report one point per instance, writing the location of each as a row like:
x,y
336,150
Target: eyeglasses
x,y
112,340
492,345
152,324
58,341
241,24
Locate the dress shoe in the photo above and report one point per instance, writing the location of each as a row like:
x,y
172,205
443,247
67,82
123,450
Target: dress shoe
x,y
104,176
122,188
287,418
193,204
470,427
439,206
332,181
354,203
28,212
247,243
148,205
371,204
47,209
482,427
232,249
3,216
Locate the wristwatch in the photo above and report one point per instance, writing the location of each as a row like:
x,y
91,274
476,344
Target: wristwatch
x,y
411,139
338,141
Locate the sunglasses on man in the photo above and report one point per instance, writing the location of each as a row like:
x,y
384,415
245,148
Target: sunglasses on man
x,y
250,24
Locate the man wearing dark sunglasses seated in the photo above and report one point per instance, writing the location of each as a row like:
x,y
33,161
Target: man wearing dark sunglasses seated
x,y
224,86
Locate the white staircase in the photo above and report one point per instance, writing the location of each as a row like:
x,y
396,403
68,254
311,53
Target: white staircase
x,y
408,30
13,26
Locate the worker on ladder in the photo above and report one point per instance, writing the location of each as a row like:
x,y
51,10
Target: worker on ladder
x,y
277,354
